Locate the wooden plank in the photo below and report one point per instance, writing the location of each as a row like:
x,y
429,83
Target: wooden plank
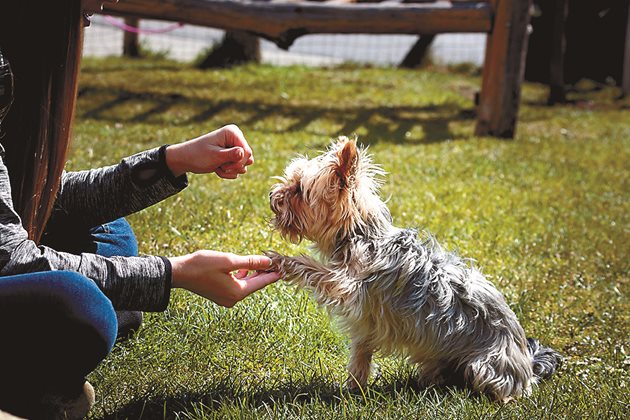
x,y
283,22
503,69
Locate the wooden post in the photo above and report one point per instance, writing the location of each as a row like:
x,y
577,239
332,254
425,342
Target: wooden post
x,y
503,70
625,84
558,49
131,45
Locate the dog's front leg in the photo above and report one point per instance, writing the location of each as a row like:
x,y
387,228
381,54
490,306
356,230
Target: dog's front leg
x,y
360,364
330,287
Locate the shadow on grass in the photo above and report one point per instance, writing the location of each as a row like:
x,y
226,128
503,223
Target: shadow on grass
x,y
317,391
397,124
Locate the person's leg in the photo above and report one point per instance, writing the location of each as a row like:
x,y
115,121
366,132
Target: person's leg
x,y
117,239
56,327
114,239
110,239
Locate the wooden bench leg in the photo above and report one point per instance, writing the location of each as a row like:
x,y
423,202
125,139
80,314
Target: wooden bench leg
x,y
625,83
131,42
503,69
557,92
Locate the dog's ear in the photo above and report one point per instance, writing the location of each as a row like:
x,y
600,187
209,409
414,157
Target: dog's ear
x,y
348,156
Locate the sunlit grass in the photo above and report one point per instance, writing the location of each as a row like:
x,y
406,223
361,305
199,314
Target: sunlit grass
x,y
545,216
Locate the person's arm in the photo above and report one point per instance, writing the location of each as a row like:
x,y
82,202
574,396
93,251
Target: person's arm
x,y
97,196
139,283
135,283
93,197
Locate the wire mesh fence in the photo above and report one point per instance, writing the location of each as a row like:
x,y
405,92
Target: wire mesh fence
x,y
186,43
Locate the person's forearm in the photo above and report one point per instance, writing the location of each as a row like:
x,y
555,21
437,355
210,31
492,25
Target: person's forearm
x,y
176,159
131,283
97,196
178,270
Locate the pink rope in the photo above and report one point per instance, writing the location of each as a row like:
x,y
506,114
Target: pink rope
x,y
114,22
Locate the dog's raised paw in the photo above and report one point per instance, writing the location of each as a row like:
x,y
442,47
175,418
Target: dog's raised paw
x,y
276,261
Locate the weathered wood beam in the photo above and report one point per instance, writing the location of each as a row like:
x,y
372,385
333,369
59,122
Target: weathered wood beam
x,y
283,22
558,50
625,81
503,69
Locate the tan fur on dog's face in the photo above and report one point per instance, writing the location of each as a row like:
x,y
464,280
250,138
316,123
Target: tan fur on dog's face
x,y
317,198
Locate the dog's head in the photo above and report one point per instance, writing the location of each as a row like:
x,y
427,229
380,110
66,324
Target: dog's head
x,y
327,198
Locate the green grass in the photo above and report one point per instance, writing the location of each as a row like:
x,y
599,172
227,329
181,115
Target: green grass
x,y
546,216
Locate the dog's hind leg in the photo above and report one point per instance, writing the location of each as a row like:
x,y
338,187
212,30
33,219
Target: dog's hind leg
x,y
502,378
441,373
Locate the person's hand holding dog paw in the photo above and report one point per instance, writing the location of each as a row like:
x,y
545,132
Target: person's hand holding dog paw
x,y
222,277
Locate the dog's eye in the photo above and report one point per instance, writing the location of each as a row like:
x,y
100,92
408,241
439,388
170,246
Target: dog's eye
x,y
298,189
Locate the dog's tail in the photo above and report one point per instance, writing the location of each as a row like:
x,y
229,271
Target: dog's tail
x,y
545,361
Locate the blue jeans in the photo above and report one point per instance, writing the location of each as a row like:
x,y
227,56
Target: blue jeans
x,y
57,326
111,239
108,240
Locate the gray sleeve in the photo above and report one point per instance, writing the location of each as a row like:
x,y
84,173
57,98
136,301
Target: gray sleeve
x,y
97,196
138,283
132,283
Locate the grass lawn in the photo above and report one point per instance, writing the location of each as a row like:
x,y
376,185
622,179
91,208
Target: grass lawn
x,y
546,217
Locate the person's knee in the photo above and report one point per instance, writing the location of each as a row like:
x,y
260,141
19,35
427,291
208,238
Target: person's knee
x,y
60,324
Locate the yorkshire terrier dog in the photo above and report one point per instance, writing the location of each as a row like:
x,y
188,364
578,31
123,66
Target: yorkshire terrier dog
x,y
393,292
